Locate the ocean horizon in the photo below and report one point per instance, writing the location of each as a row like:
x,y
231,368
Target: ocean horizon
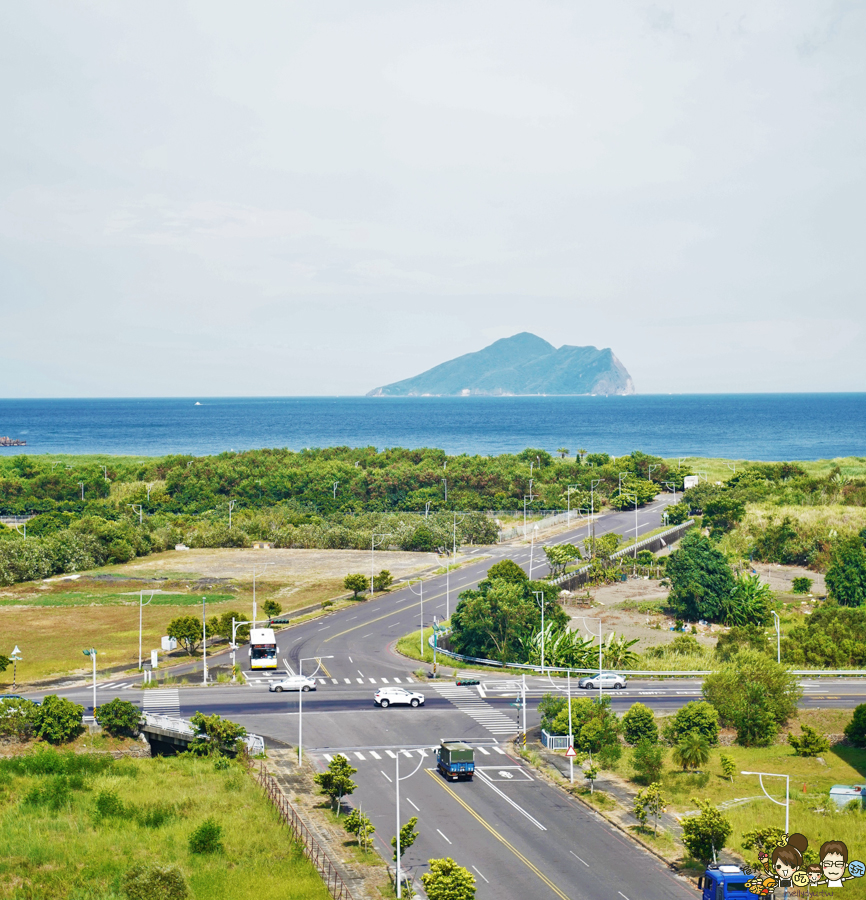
x,y
734,426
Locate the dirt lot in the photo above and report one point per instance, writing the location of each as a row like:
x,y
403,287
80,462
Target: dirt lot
x,y
291,565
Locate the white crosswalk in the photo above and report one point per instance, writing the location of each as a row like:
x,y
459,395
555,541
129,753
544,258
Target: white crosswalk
x,y
165,702
267,678
492,750
116,685
469,701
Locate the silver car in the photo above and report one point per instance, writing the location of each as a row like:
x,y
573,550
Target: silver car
x,y
293,683
608,680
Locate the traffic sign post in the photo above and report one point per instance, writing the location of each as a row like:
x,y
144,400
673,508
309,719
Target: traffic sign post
x,y
570,754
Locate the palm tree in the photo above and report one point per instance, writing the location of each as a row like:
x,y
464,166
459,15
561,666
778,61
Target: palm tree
x,y
692,751
563,452
581,453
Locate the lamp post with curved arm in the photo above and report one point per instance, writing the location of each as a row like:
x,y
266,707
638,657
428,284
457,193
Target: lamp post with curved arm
x,y
786,804
141,605
301,662
397,780
584,618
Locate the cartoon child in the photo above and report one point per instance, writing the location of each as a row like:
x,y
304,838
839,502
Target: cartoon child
x,y
813,873
788,858
834,859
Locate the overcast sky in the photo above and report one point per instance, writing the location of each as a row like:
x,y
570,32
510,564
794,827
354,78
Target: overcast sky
x,y
297,198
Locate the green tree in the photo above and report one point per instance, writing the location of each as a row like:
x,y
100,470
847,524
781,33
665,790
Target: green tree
x,y
271,608
222,626
382,581
748,603
700,579
801,585
846,576
17,717
650,802
562,451
810,743
590,773
187,631
722,513
58,720
408,836
705,832
356,583
754,694
336,781
216,736
639,724
448,881
559,556
855,730
692,751
739,637
698,716
507,570
833,637
5,662
677,513
648,760
119,717
729,767
359,824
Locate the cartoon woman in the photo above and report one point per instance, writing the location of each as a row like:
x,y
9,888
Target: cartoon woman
x,y
834,859
788,858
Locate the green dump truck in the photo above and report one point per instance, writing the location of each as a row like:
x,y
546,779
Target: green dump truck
x,y
455,760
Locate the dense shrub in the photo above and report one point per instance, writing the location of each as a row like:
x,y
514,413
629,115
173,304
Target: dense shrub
x,y
17,718
801,585
119,717
738,638
846,577
58,720
154,882
109,805
810,742
639,724
695,716
207,838
855,730
700,578
648,761
216,736
832,637
706,833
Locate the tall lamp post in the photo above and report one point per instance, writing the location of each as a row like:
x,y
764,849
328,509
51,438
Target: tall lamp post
x,y
421,586
571,487
141,605
254,591
532,550
204,641
92,654
540,594
448,570
592,486
397,780
137,507
600,639
778,637
786,804
373,546
301,662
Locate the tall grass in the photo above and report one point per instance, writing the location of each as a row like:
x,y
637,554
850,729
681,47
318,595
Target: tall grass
x,y
70,852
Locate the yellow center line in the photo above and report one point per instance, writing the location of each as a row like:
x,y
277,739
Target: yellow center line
x,y
324,668
499,837
396,612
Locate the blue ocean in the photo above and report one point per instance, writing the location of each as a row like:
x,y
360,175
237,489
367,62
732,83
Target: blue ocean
x,y
738,426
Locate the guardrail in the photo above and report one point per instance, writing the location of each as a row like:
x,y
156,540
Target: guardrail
x,y
254,742
638,673
312,849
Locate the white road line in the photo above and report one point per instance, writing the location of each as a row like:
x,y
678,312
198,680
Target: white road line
x,y
384,681
389,779
360,755
391,753
396,681
347,680
328,757
360,672
412,805
371,680
500,751
443,836
369,634
482,750
359,680
622,895
374,754
577,857
481,876
351,618
507,799
334,681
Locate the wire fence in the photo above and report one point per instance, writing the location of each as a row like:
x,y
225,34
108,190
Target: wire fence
x,y
312,849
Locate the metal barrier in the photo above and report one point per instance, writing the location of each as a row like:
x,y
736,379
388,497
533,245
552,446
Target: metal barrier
x,y
312,849
554,741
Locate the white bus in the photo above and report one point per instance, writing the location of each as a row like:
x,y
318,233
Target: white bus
x,y
263,648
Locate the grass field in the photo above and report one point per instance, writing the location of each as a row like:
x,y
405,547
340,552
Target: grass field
x,y
69,853
40,617
719,469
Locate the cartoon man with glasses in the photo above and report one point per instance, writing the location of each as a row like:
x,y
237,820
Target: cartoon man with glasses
x,y
834,859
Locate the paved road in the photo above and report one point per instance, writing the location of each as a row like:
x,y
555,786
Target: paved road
x,y
521,837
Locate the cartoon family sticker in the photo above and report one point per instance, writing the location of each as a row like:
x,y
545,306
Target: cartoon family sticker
x,y
784,868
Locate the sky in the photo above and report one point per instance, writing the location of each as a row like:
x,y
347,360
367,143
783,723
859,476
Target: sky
x,y
304,198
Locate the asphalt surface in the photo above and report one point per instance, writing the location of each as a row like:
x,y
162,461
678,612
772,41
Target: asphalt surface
x,y
519,836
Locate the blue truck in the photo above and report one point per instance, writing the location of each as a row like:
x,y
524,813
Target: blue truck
x,y
722,882
455,760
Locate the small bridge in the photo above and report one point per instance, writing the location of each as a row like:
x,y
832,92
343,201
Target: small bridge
x,y
179,733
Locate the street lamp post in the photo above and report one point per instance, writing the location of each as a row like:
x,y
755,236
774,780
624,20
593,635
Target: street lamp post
x,y
373,546
141,605
397,780
532,550
231,507
204,641
448,570
236,623
92,654
541,603
335,489
136,507
301,662
571,487
786,804
584,618
621,476
421,586
81,485
255,608
592,486
778,637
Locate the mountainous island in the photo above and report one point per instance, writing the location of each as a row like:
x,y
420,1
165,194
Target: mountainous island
x,y
523,364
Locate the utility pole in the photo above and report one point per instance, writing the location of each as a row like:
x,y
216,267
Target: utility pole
x,y
81,485
136,507
592,486
373,546
541,603
335,489
141,605
204,640
231,507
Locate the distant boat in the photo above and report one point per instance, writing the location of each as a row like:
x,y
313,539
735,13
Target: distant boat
x,y
197,403
12,442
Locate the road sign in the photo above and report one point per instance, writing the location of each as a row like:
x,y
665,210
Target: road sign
x,y
570,754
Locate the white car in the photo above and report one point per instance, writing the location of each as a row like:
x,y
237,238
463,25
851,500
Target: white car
x,y
608,680
293,683
386,696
